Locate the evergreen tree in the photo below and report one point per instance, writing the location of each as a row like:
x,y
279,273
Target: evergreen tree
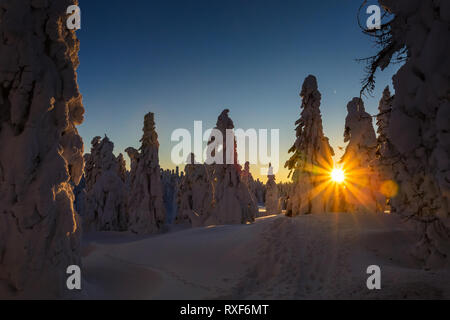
x,y
145,202
362,185
312,155
106,196
272,205
418,34
41,152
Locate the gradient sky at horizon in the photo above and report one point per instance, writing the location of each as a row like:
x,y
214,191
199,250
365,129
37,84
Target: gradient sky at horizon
x,y
189,60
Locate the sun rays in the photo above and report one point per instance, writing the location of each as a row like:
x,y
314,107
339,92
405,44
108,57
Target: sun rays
x,y
337,175
346,186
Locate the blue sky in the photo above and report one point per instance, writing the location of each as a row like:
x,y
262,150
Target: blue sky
x,y
189,60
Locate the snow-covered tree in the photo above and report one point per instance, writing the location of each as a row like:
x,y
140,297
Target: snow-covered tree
x,y
171,182
247,179
384,112
41,153
360,135
362,183
260,192
146,212
122,167
232,202
105,207
312,155
246,175
256,188
195,195
272,205
382,165
284,190
418,129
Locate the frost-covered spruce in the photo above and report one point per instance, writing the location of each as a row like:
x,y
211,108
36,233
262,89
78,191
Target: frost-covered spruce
x,y
260,192
385,154
195,195
310,151
385,150
146,213
79,192
106,194
122,168
41,153
232,203
384,112
171,181
256,188
420,118
246,175
362,182
284,189
247,179
272,205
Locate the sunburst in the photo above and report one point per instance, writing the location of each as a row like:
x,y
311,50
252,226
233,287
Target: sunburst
x,y
337,175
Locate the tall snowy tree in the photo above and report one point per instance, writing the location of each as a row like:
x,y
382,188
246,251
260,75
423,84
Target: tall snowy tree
x,y
246,175
41,153
272,205
106,193
122,168
232,203
384,112
385,153
247,179
146,212
171,182
284,190
312,155
418,129
195,195
362,183
260,192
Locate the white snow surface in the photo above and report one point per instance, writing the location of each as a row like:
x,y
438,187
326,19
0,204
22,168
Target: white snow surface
x,y
314,256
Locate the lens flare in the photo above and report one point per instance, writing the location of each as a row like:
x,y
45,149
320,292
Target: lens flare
x,y
389,189
338,175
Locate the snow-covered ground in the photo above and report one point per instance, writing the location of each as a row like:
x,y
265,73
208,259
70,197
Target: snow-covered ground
x,y
317,256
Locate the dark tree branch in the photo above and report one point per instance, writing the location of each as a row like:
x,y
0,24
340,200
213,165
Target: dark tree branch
x,y
390,51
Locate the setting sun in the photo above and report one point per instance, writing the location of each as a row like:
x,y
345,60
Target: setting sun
x,y
337,175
